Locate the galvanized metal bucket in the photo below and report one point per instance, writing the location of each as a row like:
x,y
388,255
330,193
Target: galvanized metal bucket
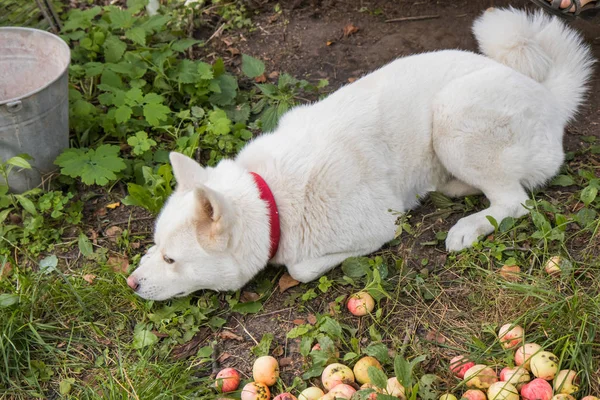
x,y
34,106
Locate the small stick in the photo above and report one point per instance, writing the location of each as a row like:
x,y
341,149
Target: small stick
x,y
417,18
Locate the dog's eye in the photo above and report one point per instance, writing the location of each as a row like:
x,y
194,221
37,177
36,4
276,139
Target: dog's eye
x,y
168,260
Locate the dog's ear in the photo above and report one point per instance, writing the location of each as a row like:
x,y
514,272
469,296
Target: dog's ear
x,y
213,220
188,173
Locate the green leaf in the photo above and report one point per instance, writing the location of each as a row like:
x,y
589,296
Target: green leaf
x,y
205,352
228,86
19,162
269,119
427,390
187,72
440,200
355,267
85,246
48,264
585,217
205,70
114,49
563,180
123,114
252,67
120,19
136,35
379,351
184,44
7,300
403,371
216,322
262,349
377,377
218,123
250,307
589,194
154,113
26,204
298,331
64,386
331,327
143,338
92,166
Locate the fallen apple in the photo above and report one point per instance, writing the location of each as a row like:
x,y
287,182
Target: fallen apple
x,y
563,396
255,391
285,396
361,368
395,388
544,365
265,370
511,335
341,391
474,394
510,272
448,396
502,391
517,376
227,380
480,377
566,382
360,304
524,353
590,398
537,389
459,365
311,393
335,374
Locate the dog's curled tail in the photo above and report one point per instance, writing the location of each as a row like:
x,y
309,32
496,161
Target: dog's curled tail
x,y
541,47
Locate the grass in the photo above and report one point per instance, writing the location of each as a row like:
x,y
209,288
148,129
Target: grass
x,y
71,328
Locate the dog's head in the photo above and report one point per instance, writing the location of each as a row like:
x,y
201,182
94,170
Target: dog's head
x,y
195,239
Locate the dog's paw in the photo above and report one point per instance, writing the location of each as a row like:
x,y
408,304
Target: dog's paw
x,y
466,232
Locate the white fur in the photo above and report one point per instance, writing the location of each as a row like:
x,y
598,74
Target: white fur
x,y
452,121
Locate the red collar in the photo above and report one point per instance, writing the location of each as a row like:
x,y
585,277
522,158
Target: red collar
x,y
267,195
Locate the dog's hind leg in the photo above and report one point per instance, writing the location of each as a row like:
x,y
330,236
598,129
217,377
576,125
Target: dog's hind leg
x,y
309,270
457,188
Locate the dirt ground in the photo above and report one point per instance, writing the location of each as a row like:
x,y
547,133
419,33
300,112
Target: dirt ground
x,y
306,39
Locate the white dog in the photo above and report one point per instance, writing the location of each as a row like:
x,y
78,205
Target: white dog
x,y
452,121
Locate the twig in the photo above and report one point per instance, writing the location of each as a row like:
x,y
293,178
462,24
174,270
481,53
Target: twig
x,y
246,330
216,33
417,18
125,221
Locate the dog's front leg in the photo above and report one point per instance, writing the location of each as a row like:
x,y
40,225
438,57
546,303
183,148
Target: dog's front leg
x,y
309,270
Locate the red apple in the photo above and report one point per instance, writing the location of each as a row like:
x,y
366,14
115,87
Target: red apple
x,y
511,335
360,304
537,389
474,394
227,380
459,365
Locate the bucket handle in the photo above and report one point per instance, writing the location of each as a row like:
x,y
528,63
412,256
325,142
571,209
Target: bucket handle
x,y
14,106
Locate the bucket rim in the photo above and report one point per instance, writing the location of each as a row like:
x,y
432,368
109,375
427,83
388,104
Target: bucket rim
x,y
54,37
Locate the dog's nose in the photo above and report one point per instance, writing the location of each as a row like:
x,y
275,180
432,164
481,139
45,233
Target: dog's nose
x,y
133,283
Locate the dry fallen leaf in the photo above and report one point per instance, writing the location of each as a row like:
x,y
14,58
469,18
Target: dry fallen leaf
x,y
228,42
260,79
233,51
100,212
112,232
274,75
223,357
434,336
350,80
350,29
89,278
277,351
248,296
286,282
329,42
311,319
299,321
284,362
230,335
5,270
112,206
118,263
